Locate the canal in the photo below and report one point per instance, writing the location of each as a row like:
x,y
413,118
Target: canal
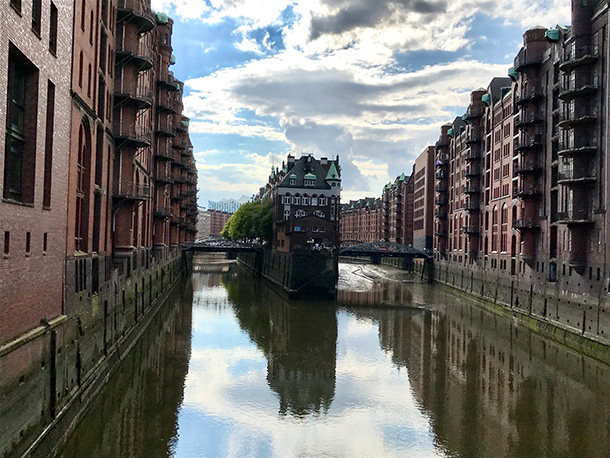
x,y
394,367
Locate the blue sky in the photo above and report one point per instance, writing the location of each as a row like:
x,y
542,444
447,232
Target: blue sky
x,y
368,80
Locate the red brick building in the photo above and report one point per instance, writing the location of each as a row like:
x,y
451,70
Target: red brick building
x,y
360,221
35,54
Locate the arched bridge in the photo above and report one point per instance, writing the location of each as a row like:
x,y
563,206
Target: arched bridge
x,y
384,249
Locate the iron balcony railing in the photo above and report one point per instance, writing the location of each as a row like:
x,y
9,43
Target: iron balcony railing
x,y
139,135
579,214
526,167
525,59
571,147
130,190
526,223
586,113
140,10
138,50
474,112
162,212
528,95
528,141
572,172
470,229
579,55
525,190
572,88
132,89
162,175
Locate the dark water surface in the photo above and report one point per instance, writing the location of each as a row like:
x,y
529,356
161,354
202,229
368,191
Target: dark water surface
x,y
392,368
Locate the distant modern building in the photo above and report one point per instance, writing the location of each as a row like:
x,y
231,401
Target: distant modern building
x,y
226,205
203,224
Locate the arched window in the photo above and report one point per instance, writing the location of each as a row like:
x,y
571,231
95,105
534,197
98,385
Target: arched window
x,y
83,166
83,9
494,229
504,228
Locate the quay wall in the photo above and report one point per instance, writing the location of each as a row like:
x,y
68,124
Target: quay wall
x,y
50,375
296,274
580,320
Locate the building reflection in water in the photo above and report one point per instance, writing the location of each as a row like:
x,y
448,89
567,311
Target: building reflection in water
x,y
298,340
492,388
136,413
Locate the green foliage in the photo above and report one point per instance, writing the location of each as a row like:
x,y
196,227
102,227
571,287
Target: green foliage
x,y
252,220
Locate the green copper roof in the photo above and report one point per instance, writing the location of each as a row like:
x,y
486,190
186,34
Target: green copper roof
x,y
403,177
292,175
486,99
552,34
172,59
513,73
162,18
184,123
332,172
310,176
450,132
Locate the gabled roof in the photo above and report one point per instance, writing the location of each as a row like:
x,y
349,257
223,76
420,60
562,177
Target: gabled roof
x,y
306,167
332,174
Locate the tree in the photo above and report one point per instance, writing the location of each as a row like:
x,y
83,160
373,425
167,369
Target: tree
x,y
251,220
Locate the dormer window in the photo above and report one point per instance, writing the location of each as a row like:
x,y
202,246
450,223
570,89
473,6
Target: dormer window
x,y
293,182
299,214
310,182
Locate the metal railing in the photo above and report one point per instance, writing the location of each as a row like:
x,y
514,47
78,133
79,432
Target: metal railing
x,y
162,211
525,223
133,90
525,95
576,172
579,214
525,58
130,190
137,134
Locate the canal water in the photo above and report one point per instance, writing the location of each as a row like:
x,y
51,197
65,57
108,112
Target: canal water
x,y
394,367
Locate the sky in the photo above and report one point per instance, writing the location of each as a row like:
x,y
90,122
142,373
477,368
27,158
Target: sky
x,y
370,81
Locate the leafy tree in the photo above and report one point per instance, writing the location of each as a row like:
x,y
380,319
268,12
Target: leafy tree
x,y
251,220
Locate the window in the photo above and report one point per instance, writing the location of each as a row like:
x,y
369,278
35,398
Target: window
x,y
45,242
319,213
305,200
48,147
53,29
297,200
83,9
287,199
323,201
314,201
20,148
82,187
293,181
89,82
7,243
16,4
310,182
286,214
91,27
300,214
80,70
36,15
28,243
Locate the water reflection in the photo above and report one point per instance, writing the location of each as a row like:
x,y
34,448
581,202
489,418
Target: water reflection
x,y
137,412
298,340
392,368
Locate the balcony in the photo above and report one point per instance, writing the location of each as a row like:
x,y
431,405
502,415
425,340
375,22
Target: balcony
x,y
524,119
442,188
166,104
178,220
137,52
136,12
162,212
473,171
470,230
440,215
472,206
179,178
570,149
583,115
526,224
441,201
471,188
176,195
572,89
130,190
164,153
165,127
442,234
163,176
179,143
138,136
526,167
169,82
528,142
473,137
443,142
441,175
526,190
132,93
525,60
473,113
526,96
576,173
580,215
581,55
472,154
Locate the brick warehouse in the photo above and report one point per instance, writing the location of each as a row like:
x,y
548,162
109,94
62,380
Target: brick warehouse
x,y
98,189
521,189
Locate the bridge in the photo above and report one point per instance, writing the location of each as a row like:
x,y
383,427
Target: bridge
x,y
222,246
383,249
